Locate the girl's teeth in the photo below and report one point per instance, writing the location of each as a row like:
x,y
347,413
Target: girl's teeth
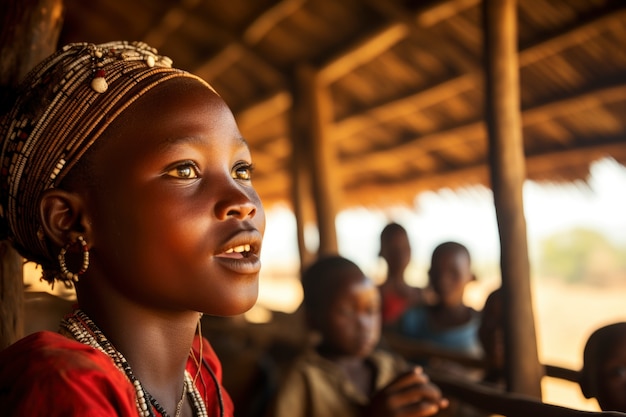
x,y
239,249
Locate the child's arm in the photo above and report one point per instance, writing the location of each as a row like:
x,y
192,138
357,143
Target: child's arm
x,y
409,395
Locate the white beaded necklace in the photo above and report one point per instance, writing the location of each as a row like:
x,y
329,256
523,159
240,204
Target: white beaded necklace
x,y
84,330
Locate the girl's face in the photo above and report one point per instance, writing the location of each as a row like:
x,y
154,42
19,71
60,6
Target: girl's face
x,y
176,222
352,323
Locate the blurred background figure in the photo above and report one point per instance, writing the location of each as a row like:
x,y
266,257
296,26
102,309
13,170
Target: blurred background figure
x,y
603,375
449,323
345,375
396,295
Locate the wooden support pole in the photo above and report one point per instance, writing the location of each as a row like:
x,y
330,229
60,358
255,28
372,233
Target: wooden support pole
x,y
322,155
301,189
506,158
29,31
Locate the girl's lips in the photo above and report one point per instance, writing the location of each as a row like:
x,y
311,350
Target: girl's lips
x,y
240,253
240,263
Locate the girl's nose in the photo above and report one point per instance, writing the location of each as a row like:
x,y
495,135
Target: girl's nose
x,y
237,205
241,211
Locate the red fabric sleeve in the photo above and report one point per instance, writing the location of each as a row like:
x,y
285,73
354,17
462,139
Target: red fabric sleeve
x,y
46,374
212,391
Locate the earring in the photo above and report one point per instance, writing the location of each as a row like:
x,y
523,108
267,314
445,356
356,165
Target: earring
x,y
66,273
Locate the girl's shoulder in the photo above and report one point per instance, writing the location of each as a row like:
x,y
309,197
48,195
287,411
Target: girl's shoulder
x,y
46,373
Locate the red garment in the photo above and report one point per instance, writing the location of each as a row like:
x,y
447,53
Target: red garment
x,y
393,306
47,374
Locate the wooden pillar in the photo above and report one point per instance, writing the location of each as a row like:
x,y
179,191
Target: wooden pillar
x,y
326,189
506,146
301,190
29,31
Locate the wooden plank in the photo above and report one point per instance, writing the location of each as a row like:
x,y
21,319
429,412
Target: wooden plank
x,y
495,401
362,52
256,31
29,32
508,172
267,108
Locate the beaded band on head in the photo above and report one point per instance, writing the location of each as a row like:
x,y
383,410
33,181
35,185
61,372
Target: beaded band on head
x,y
63,106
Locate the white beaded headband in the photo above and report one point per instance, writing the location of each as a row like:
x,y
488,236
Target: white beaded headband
x,y
62,108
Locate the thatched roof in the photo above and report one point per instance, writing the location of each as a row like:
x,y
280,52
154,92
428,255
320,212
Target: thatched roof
x,y
405,78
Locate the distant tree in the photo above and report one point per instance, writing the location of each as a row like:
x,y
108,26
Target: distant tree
x,y
581,255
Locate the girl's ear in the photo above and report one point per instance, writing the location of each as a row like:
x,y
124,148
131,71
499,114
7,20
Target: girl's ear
x,y
63,216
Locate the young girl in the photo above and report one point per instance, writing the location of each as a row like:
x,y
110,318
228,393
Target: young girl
x,y
130,180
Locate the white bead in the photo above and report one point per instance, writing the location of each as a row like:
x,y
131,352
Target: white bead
x,y
150,61
99,85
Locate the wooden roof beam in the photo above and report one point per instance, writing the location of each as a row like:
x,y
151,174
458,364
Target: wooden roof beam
x,y
362,52
239,45
423,144
375,43
272,16
426,16
549,161
169,23
406,104
271,106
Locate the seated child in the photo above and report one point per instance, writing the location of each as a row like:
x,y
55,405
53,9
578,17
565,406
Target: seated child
x,y
396,295
345,375
448,323
603,375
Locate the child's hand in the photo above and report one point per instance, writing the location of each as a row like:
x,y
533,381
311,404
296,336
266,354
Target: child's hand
x,y
409,395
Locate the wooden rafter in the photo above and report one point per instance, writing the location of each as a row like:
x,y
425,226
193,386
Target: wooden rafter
x,y
535,114
379,40
173,18
427,16
411,102
477,173
237,46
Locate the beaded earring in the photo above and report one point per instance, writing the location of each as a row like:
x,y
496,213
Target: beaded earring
x,y
66,273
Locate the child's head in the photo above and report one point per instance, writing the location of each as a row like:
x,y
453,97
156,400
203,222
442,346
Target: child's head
x,y
395,247
343,305
450,271
109,149
604,367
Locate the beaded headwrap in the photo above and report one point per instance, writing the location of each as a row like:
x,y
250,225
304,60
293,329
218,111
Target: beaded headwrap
x,y
62,107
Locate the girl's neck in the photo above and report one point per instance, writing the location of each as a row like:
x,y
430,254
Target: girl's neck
x,y
156,345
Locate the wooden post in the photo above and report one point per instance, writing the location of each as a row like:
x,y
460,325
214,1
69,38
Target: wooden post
x,y
301,189
29,31
506,146
323,156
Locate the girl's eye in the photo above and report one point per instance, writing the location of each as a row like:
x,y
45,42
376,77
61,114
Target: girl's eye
x,y
243,172
185,171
